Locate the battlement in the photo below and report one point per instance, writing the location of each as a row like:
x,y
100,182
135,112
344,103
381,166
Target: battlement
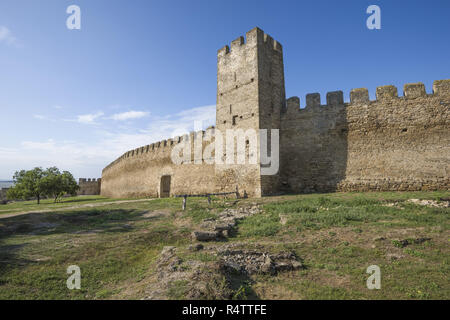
x,y
360,96
84,180
252,38
89,186
162,145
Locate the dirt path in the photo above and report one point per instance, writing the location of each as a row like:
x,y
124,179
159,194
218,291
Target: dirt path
x,y
87,205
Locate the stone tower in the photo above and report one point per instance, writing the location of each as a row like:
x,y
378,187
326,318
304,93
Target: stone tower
x,y
250,95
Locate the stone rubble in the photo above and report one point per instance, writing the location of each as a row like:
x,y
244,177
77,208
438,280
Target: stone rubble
x,y
220,228
443,203
251,262
206,279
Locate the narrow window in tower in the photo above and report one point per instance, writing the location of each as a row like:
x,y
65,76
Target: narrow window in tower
x,y
230,108
234,120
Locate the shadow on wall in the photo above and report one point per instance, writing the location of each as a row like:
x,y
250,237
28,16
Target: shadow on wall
x,y
314,144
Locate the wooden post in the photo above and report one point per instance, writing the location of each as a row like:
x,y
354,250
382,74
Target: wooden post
x,y
184,203
237,192
209,199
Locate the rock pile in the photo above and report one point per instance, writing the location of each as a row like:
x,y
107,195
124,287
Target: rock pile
x,y
251,262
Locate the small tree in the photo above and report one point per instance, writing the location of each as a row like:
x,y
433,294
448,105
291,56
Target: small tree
x,y
63,184
52,183
39,183
28,184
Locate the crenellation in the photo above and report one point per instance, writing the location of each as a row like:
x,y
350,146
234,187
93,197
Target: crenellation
x,y
312,100
223,51
388,92
359,96
414,90
441,87
293,105
236,44
335,98
268,40
277,46
272,44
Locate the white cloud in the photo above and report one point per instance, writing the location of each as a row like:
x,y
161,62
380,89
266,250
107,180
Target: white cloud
x,y
129,115
89,118
88,158
6,36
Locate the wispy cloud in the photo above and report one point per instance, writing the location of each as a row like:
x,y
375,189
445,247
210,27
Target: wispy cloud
x,y
7,37
129,115
89,118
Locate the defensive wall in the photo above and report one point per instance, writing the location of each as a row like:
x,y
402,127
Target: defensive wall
x,y
89,186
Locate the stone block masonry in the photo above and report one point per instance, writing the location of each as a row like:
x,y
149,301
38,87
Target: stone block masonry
x,y
393,143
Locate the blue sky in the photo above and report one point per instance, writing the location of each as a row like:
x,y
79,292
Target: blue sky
x,y
140,71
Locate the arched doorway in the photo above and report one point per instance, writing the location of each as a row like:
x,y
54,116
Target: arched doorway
x,y
165,187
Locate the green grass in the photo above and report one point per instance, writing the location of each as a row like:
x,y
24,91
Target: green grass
x,y
336,236
49,204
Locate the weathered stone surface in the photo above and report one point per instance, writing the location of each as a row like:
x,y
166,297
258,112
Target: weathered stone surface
x,y
386,92
312,100
414,90
89,186
335,98
441,87
217,229
360,95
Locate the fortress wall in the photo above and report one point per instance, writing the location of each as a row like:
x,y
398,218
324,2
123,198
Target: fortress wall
x,y
89,186
3,192
393,143
237,106
137,173
250,95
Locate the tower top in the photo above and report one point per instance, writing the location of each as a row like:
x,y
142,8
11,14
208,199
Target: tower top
x,y
254,37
